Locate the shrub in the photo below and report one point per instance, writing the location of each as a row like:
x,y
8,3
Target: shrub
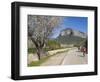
x,y
52,44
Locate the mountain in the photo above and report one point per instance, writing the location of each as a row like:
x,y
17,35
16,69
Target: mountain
x,y
72,32
70,36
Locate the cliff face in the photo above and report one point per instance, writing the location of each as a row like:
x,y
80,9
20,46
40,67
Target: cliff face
x,y
72,32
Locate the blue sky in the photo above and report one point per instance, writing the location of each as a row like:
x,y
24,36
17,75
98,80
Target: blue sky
x,y
76,23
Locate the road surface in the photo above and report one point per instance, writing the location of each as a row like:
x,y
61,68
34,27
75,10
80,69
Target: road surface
x,y
71,57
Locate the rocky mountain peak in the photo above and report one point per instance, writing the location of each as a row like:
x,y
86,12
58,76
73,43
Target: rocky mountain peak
x,y
69,31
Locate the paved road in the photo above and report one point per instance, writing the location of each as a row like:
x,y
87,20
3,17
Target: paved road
x,y
74,57
71,57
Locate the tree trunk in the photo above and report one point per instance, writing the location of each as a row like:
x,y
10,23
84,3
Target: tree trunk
x,y
39,48
40,53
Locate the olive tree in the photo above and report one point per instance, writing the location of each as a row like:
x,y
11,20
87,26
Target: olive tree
x,y
40,29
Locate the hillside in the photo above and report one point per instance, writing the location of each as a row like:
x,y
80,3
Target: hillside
x,y
70,36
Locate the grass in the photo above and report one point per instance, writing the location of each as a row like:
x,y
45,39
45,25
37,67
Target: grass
x,y
31,50
38,63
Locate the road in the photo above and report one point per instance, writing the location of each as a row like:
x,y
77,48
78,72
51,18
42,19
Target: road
x,y
71,57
